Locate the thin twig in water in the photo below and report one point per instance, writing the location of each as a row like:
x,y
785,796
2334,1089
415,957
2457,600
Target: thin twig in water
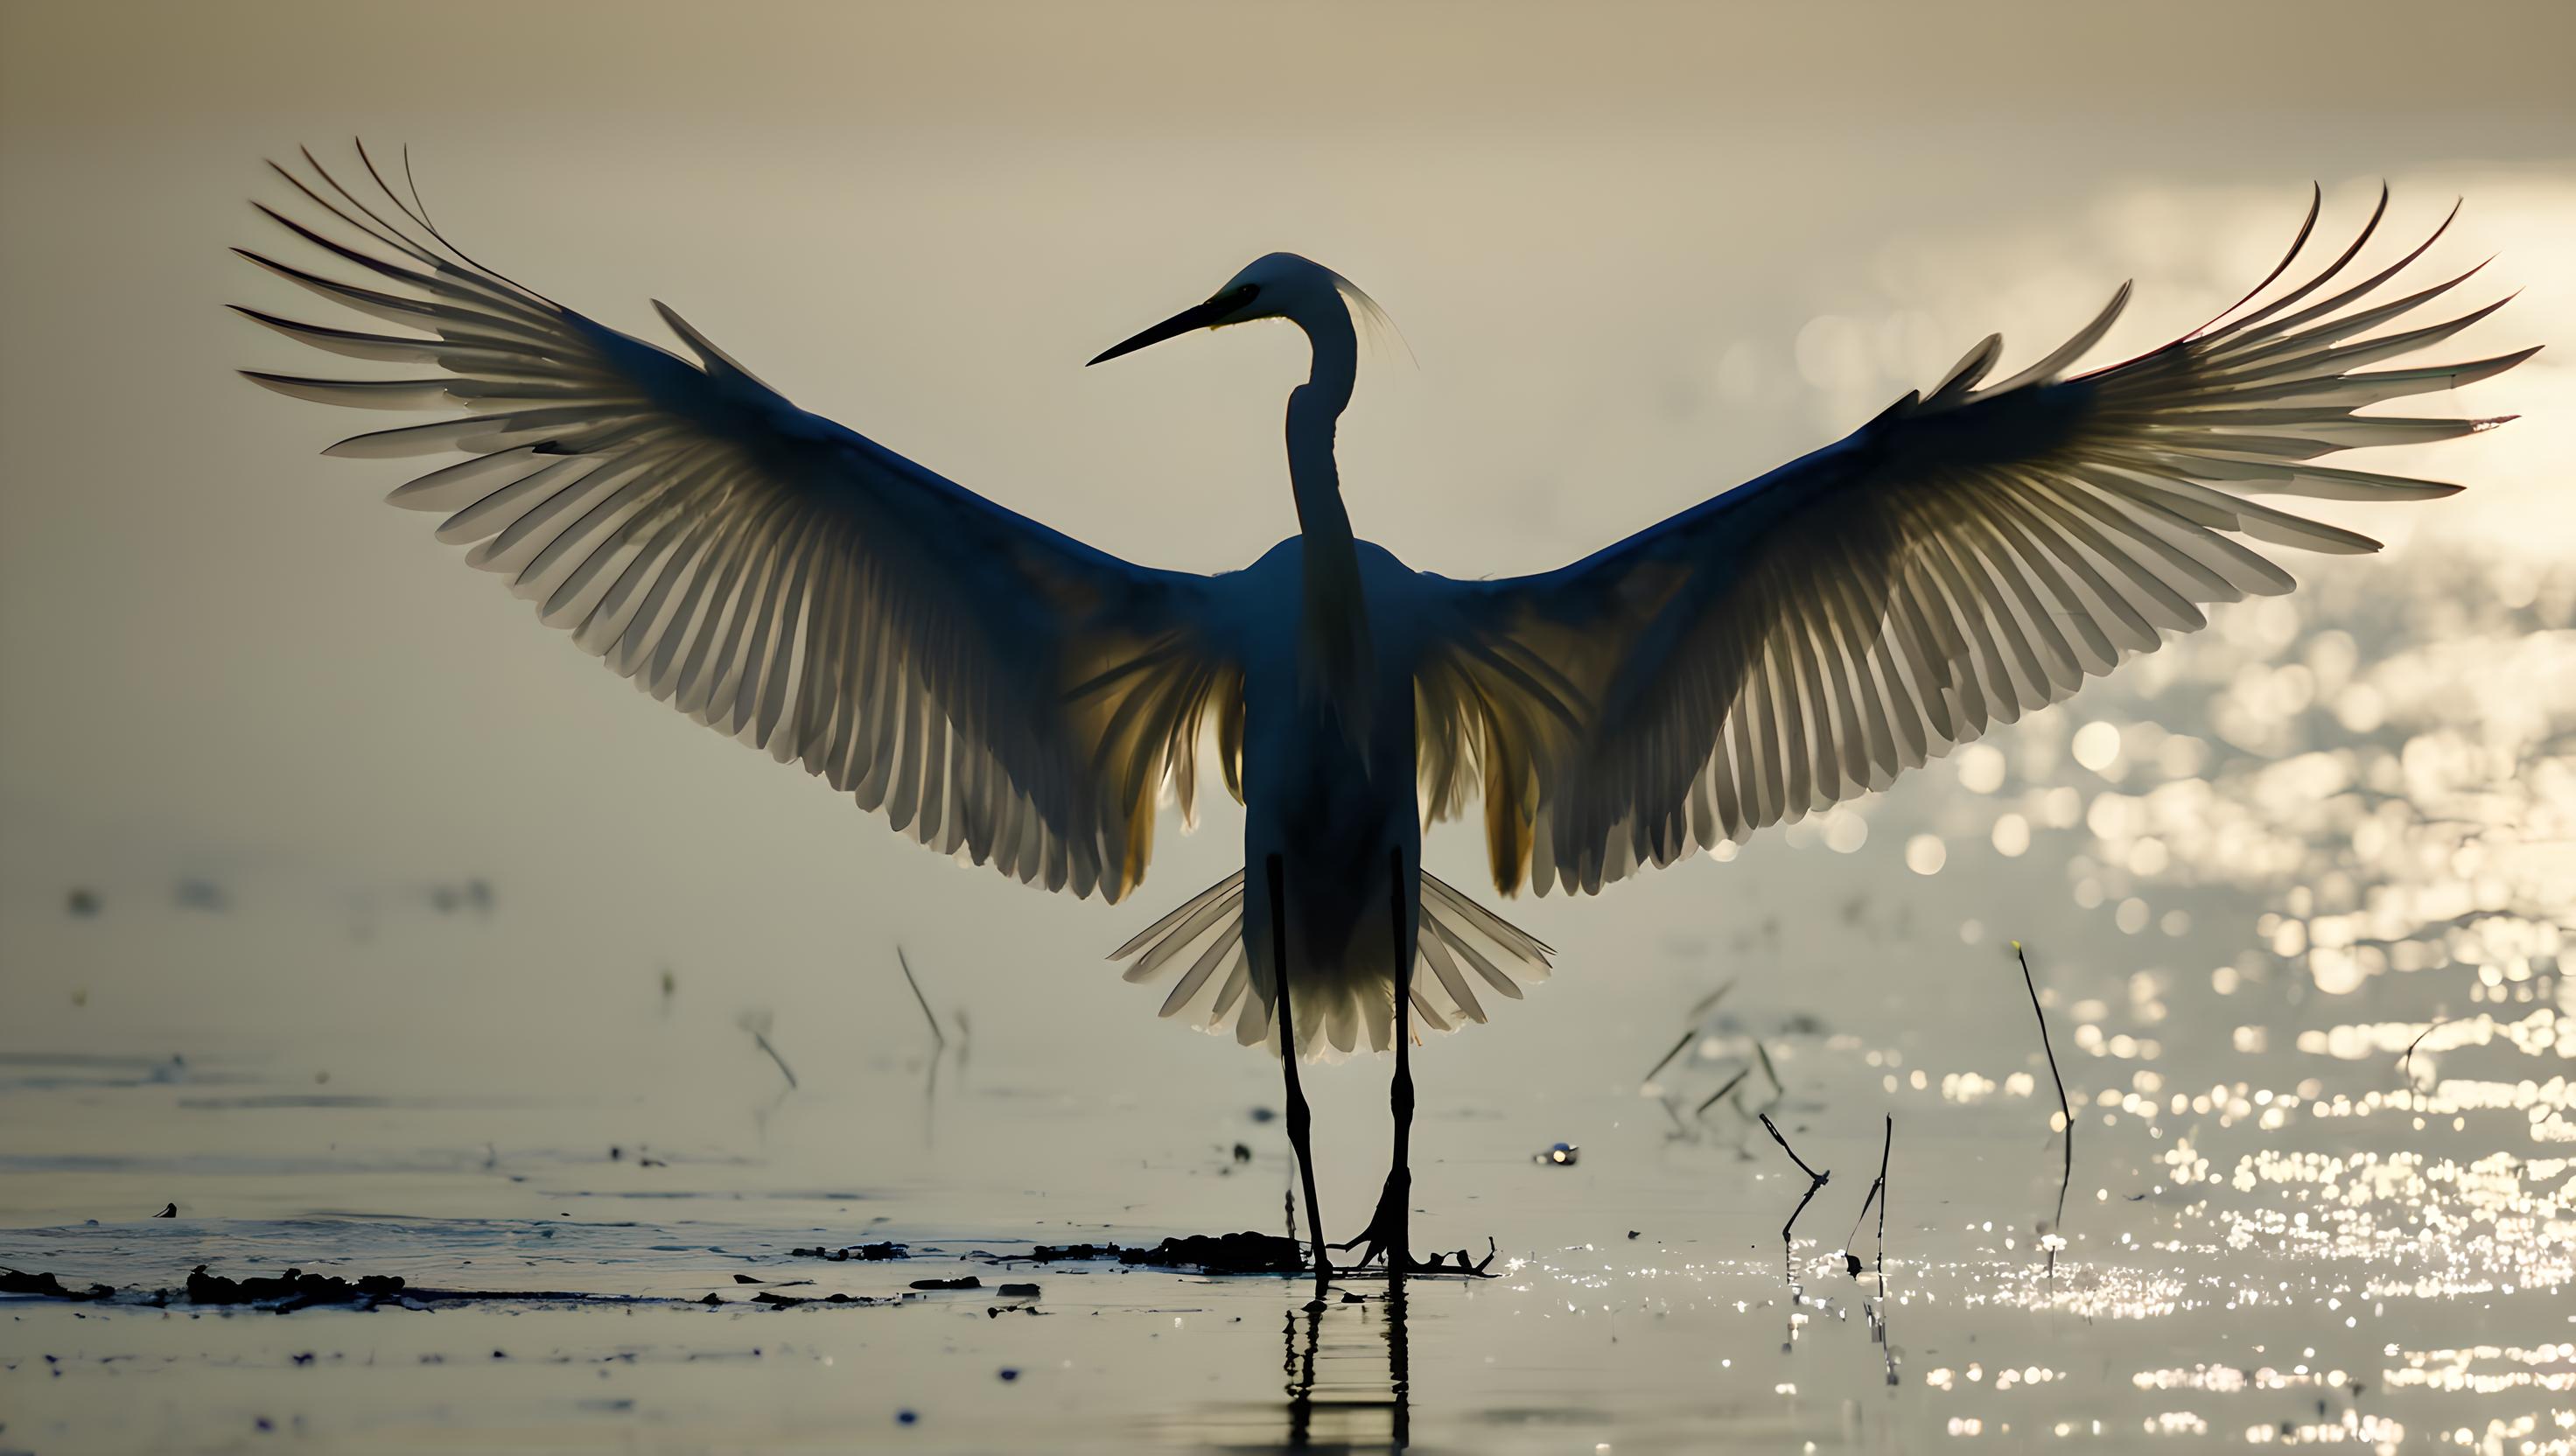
x,y
1708,1003
1699,1012
1759,1050
1877,1195
938,1038
2066,1176
2405,1063
784,1070
1666,1059
1815,1180
1884,1148
1773,1128
1731,1084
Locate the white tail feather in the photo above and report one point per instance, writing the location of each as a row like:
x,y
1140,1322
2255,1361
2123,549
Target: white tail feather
x,y
1460,943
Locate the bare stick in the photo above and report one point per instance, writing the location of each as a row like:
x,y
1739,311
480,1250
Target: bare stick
x,y
2066,1177
1868,1200
1706,1004
939,1039
1772,1128
1884,1148
784,1070
1731,1084
1815,1180
2405,1066
1759,1050
1666,1059
1877,1194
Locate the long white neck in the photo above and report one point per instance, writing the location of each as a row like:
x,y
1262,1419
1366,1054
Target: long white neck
x,y
1334,657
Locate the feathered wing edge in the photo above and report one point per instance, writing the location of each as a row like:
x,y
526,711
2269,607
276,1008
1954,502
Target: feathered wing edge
x,y
1460,945
777,578
1969,556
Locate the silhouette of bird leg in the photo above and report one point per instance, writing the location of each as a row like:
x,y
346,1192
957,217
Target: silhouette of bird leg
x,y
1386,1234
1299,1123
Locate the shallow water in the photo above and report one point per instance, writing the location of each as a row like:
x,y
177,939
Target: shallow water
x,y
2302,981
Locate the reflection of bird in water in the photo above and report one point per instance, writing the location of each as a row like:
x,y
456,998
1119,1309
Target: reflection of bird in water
x,y
1013,697
1352,1393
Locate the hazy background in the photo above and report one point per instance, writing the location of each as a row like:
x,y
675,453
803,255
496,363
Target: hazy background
x,y
1639,252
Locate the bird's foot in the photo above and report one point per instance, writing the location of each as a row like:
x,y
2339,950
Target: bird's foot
x,y
1384,1237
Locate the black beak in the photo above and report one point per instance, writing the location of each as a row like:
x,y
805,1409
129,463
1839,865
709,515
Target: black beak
x,y
1201,317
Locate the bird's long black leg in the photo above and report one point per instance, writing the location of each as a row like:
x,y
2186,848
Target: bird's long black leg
x,y
1386,1234
1299,1122
1399,1178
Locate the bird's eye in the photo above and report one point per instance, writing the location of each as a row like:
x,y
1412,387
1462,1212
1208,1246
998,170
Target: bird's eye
x,y
1243,295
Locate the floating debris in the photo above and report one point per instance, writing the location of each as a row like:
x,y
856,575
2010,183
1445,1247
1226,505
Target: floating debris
x,y
1243,1253
297,1289
868,1252
1563,1155
790,1301
292,1290
46,1286
81,903
963,1281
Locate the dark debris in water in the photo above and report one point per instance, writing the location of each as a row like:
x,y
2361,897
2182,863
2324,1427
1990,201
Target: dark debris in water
x,y
790,1301
870,1252
292,1290
963,1281
296,1289
1243,1253
46,1286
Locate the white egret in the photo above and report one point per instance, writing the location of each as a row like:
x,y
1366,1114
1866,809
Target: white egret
x,y
1013,697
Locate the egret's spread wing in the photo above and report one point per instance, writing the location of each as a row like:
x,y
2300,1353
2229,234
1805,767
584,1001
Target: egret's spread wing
x,y
1968,556
997,689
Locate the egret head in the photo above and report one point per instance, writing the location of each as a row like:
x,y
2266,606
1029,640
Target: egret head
x,y
1275,285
